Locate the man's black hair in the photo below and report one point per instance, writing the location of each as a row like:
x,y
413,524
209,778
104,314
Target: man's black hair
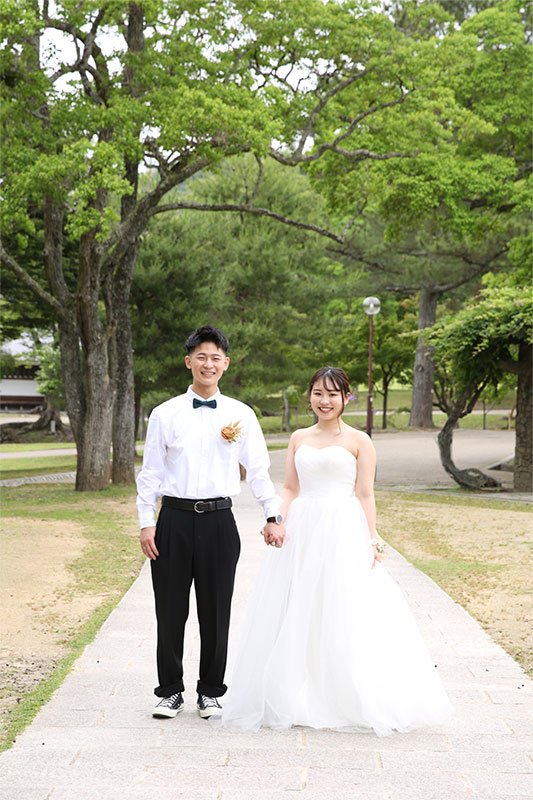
x,y
207,333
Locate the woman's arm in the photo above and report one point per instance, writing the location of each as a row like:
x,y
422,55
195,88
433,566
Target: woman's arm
x,y
364,486
291,489
291,484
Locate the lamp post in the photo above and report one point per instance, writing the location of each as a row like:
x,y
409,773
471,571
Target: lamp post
x,y
371,306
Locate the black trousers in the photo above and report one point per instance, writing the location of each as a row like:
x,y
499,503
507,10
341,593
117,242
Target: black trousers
x,y
203,548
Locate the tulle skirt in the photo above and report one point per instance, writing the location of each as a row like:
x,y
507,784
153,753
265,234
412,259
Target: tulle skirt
x,y
326,641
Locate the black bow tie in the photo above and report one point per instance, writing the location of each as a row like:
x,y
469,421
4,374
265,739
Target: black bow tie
x,y
209,403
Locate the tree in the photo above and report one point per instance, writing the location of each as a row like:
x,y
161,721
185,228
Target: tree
x,y
392,346
472,349
448,215
176,87
261,282
427,264
50,383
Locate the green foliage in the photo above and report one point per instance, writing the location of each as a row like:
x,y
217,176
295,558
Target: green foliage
x,y
481,169
472,346
263,284
393,347
49,378
8,362
402,113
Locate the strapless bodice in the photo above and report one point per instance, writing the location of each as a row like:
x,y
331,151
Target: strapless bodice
x,y
325,471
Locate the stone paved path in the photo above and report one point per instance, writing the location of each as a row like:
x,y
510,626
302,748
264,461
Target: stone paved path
x,y
96,739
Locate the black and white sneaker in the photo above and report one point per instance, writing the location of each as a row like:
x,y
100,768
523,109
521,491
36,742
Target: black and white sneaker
x,y
208,706
169,706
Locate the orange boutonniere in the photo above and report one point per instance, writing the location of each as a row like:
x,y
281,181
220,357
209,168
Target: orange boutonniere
x,y
232,432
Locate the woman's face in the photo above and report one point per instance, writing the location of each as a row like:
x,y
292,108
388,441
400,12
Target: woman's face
x,y
326,401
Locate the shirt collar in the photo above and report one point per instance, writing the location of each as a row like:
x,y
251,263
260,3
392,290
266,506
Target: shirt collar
x,y
190,394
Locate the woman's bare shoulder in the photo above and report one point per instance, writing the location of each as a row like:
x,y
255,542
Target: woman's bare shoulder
x,y
359,440
298,436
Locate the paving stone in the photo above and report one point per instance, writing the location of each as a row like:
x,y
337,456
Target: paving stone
x,y
28,790
456,761
429,786
140,792
305,794
490,743
520,725
227,778
521,695
492,671
318,740
491,784
304,757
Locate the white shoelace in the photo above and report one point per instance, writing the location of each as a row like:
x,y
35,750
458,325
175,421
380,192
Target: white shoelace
x,y
210,701
169,701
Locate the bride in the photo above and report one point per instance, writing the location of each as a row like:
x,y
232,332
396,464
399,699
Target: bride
x,y
328,640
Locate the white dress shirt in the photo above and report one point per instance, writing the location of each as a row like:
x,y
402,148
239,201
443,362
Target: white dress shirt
x,y
185,455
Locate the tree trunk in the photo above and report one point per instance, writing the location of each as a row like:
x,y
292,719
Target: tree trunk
x,y
121,358
286,412
523,466
422,397
445,441
48,415
93,465
121,352
84,368
139,428
386,384
471,478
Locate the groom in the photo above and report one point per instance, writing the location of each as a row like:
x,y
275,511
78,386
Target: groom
x,y
194,445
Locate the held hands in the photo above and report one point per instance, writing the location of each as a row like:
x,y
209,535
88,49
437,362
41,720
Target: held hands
x,y
147,538
273,534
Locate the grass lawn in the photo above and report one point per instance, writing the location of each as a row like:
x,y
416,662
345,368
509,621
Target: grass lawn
x,y
479,551
68,558
395,422
40,465
398,399
27,447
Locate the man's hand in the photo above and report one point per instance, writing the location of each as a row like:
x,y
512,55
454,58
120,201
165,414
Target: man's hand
x,y
274,533
148,542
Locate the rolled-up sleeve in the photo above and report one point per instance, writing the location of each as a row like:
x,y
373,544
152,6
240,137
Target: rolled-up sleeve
x,y
152,473
253,455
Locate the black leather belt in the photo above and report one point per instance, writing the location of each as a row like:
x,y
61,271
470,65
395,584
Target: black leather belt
x,y
200,506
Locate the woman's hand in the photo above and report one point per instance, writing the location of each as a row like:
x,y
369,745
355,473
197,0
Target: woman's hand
x,y
377,550
274,533
377,557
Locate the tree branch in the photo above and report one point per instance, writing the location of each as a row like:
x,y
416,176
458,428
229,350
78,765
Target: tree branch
x,y
32,284
298,157
125,234
309,126
515,367
244,208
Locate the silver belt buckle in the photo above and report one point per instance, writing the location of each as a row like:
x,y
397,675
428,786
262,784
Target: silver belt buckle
x,y
197,509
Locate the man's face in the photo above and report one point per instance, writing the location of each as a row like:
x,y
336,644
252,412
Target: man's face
x,y
207,363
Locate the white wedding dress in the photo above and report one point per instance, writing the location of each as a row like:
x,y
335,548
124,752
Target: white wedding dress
x,y
327,641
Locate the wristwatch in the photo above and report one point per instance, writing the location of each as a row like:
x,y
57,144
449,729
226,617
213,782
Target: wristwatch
x,y
278,519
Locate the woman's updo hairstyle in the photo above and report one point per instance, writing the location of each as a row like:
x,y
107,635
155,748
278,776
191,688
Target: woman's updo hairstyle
x,y
334,379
